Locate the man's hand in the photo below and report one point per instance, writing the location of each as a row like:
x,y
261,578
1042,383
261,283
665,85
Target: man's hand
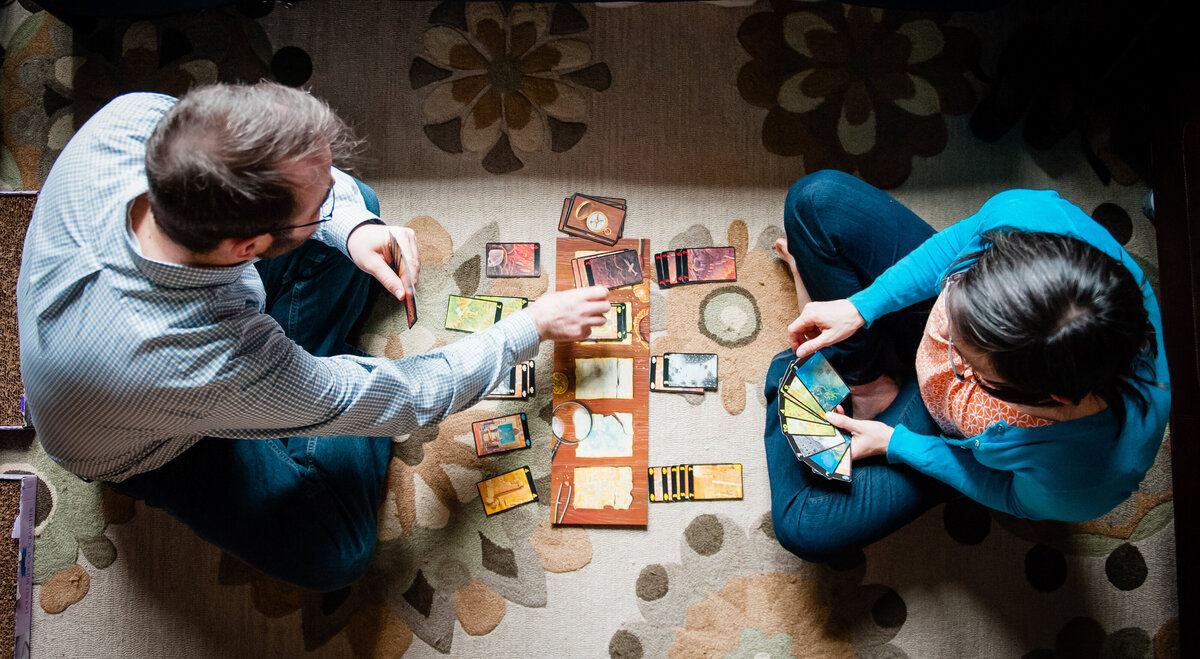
x,y
371,251
867,438
823,324
569,315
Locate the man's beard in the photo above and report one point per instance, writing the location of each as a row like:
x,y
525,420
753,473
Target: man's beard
x,y
282,244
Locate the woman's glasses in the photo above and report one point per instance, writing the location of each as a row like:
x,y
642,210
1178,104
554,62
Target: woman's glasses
x,y
1006,394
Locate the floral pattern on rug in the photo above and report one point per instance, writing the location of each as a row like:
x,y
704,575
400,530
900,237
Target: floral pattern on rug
x,y
743,322
440,559
506,78
737,593
70,521
55,79
854,88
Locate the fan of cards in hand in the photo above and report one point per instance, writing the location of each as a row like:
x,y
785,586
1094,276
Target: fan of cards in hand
x,y
807,391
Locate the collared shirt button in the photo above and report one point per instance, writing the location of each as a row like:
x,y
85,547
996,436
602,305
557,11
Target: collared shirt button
x,y
977,443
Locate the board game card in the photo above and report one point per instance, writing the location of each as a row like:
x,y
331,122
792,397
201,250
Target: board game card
x,y
843,469
795,426
400,267
716,481
826,462
513,260
505,433
594,218
806,445
680,269
685,477
470,314
577,272
789,407
507,490
676,489
654,484
656,381
688,369
622,268
658,270
710,264
825,385
616,324
508,305
793,388
518,384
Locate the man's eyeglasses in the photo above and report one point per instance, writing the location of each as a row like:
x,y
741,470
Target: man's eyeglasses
x,y
326,215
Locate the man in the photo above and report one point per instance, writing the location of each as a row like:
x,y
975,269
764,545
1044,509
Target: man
x,y
160,354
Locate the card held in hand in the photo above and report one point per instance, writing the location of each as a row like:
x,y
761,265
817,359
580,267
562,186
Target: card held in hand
x,y
400,267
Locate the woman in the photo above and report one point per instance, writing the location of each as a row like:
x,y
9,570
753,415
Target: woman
x,y
1039,384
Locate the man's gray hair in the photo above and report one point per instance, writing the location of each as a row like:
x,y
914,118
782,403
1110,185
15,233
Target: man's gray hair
x,y
217,160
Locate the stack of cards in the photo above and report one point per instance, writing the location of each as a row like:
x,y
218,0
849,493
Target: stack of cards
x,y
622,267
806,392
704,482
518,385
695,265
683,372
471,314
506,491
616,324
601,219
400,267
513,260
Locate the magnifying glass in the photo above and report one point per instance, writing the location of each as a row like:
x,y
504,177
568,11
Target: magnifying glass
x,y
570,423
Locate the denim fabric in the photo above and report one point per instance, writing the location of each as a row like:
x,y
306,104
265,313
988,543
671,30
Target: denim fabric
x,y
843,233
301,509
818,519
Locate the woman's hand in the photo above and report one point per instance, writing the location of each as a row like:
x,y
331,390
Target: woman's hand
x,y
823,324
867,438
370,248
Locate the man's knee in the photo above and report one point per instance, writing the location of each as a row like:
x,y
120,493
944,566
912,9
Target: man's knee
x,y
325,566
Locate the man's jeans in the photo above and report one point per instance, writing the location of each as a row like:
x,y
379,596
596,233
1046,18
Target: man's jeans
x,y
843,233
301,509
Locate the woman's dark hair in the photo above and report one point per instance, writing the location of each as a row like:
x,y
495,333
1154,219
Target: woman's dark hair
x,y
1055,315
216,162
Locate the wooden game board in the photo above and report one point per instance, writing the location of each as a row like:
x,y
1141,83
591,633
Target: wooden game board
x,y
638,349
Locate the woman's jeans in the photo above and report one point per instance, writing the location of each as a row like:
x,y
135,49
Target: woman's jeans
x,y
301,509
844,233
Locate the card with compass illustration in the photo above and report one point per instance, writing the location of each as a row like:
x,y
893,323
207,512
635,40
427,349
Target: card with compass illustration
x,y
601,219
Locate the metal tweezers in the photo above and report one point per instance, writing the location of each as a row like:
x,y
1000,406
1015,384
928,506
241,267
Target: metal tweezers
x,y
557,516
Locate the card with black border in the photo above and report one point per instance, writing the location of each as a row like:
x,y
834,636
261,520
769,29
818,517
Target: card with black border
x,y
513,259
471,314
623,268
706,264
507,491
501,434
690,369
656,383
517,386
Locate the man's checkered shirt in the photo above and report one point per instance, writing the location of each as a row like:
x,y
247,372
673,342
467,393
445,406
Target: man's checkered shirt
x,y
127,361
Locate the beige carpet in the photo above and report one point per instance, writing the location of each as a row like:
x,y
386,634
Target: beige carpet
x,y
700,115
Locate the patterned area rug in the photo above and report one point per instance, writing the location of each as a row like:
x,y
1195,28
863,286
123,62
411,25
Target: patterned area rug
x,y
480,119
